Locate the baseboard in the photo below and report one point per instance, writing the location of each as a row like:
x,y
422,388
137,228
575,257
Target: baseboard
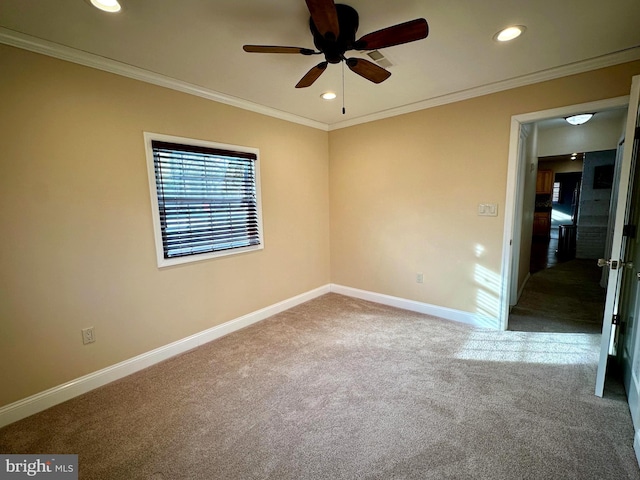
x,y
61,393
469,318
524,284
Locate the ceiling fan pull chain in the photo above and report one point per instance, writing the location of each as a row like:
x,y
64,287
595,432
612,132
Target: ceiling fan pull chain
x,y
344,111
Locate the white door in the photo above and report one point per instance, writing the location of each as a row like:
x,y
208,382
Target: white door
x,y
619,275
612,209
628,351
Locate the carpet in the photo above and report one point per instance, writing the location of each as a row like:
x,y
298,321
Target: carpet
x,y
340,388
564,298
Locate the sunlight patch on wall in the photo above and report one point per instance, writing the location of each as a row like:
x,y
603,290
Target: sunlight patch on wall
x,y
488,294
532,347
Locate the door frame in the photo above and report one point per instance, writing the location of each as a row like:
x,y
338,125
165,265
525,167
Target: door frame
x,y
514,198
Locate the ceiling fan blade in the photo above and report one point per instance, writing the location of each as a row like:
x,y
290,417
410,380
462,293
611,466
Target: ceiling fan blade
x,y
325,17
396,35
368,70
312,75
277,49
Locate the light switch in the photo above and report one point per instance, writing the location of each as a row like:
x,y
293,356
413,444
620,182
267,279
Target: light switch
x,y
488,209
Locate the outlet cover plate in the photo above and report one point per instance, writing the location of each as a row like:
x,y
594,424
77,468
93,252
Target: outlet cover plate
x,y
88,335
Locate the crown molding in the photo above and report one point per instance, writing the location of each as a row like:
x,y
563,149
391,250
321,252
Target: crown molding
x,y
45,47
51,49
609,60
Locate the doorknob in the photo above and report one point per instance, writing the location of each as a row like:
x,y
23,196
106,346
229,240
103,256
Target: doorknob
x,y
613,264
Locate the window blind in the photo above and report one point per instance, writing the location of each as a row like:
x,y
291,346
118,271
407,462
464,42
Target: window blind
x,y
206,198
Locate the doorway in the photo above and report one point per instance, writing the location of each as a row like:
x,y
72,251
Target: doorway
x,y
554,236
623,257
523,164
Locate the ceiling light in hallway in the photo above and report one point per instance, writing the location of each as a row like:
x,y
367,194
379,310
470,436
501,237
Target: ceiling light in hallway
x,y
509,33
579,119
111,6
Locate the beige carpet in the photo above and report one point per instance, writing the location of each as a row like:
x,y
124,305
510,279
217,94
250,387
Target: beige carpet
x,y
340,388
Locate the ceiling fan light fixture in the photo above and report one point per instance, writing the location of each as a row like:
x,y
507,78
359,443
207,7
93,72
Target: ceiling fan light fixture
x,y
111,6
333,28
328,96
509,33
579,119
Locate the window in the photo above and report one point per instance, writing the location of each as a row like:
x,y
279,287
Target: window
x,y
205,198
555,198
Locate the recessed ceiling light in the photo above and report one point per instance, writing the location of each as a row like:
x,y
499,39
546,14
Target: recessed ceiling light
x,y
328,95
579,119
509,33
111,6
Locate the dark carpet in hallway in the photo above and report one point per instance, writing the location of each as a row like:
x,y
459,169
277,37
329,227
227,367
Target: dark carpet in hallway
x,y
566,297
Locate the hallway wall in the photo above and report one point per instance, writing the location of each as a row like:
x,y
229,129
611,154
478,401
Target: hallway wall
x,y
593,213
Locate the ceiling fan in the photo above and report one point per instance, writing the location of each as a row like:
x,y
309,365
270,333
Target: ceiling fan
x,y
334,27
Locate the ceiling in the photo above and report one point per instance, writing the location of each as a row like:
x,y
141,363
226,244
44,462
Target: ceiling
x,y
196,46
613,116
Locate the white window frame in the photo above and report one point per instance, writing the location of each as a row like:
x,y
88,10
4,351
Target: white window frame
x,y
167,262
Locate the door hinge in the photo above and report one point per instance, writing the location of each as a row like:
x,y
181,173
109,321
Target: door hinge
x,y
620,325
629,231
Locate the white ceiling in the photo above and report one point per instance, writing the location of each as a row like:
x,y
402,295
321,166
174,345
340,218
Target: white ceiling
x,y
603,118
199,44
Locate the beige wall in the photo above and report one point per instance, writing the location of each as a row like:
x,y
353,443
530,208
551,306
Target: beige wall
x,y
405,190
561,166
394,197
77,246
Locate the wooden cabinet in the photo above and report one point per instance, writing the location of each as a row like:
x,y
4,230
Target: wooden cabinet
x,y
544,181
541,224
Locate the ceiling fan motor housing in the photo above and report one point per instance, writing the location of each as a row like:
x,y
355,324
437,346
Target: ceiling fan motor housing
x,y
334,48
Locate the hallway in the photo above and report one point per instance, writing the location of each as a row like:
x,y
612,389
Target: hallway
x,y
562,295
566,297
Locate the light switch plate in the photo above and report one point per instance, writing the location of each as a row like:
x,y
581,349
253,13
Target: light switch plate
x,y
488,209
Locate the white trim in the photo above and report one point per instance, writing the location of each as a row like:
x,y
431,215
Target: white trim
x,y
617,58
524,284
511,215
516,244
149,137
414,306
48,398
636,445
38,45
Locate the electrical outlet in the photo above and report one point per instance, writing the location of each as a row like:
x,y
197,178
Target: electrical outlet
x,y
419,278
88,335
